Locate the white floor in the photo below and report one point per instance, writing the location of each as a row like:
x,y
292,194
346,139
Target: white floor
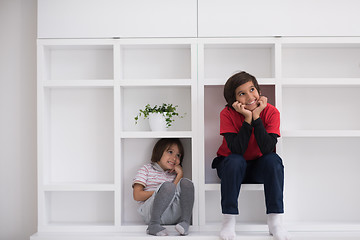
x,y
198,235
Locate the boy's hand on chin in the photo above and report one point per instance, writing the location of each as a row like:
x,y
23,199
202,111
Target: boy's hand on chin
x,y
240,108
262,103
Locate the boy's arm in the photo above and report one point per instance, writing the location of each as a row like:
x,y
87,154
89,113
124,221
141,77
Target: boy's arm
x,y
139,194
238,142
266,141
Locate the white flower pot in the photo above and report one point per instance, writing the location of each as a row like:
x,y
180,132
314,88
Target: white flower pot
x,y
157,122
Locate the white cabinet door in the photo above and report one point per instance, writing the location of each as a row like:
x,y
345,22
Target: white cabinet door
x,y
231,18
116,18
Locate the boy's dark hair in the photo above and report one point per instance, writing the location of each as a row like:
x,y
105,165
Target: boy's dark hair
x,y
234,82
162,145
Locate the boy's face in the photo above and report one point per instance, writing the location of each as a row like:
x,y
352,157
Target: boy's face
x,y
170,158
248,95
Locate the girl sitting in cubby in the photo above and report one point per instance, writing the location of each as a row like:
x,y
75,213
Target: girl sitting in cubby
x,y
250,127
165,197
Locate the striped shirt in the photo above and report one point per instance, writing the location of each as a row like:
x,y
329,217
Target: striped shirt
x,y
152,175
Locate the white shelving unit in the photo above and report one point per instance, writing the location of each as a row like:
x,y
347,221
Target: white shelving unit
x,y
90,90
320,131
314,82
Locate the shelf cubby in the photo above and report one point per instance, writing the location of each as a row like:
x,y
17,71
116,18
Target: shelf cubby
x,y
223,60
135,98
135,154
251,208
214,102
78,62
320,60
79,208
156,61
329,178
78,135
320,108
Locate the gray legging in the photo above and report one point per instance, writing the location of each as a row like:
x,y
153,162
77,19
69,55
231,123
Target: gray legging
x,y
163,198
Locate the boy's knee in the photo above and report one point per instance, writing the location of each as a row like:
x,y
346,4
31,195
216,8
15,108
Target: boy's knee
x,y
273,161
236,162
232,165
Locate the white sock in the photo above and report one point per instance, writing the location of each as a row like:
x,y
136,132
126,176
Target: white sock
x,y
276,227
228,227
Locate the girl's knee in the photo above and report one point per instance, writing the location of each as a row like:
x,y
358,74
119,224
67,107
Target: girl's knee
x,y
168,187
186,184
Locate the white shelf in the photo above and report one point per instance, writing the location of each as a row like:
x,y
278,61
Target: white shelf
x,y
155,42
321,133
244,187
342,229
222,81
156,82
79,187
157,134
245,41
293,82
61,43
61,231
79,83
320,41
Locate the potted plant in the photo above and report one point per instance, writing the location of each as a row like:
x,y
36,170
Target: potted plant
x,y
160,117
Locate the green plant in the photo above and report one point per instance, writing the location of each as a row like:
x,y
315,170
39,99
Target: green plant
x,y
168,110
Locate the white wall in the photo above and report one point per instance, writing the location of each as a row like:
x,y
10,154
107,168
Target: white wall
x,y
18,209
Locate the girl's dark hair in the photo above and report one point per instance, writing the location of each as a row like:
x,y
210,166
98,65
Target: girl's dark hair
x,y
162,145
234,82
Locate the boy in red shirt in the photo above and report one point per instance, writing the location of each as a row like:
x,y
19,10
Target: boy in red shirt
x,y
250,127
